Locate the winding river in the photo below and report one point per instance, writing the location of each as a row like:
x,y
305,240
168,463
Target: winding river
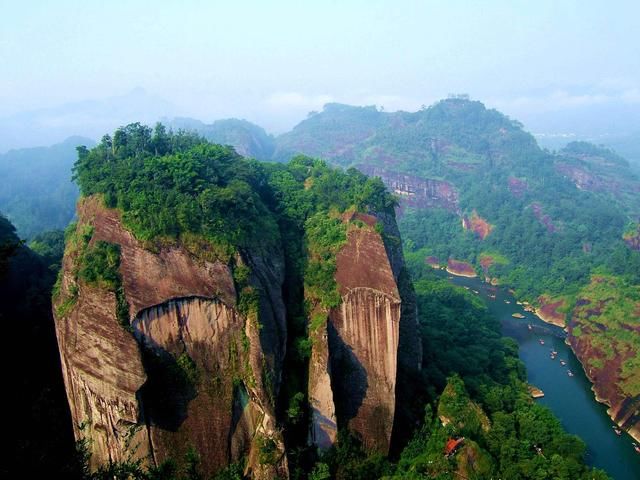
x,y
570,398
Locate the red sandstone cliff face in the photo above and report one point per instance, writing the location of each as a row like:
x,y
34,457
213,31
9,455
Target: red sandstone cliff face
x,y
458,267
193,373
549,311
623,411
415,191
359,346
604,369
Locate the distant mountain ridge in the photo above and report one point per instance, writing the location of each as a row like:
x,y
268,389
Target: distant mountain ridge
x,y
38,193
88,118
248,139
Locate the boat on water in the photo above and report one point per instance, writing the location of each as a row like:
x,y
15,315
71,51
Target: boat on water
x,y
570,373
617,430
554,352
529,327
507,301
563,363
541,341
636,447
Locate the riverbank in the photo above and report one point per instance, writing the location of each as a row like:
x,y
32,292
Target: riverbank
x,y
634,431
570,397
549,314
549,311
460,268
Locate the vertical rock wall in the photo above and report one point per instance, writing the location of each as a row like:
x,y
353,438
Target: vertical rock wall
x,y
193,373
359,346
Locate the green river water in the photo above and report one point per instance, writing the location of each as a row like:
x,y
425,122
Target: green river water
x,y
570,398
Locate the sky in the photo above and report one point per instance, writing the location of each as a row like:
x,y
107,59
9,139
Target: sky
x,y
273,61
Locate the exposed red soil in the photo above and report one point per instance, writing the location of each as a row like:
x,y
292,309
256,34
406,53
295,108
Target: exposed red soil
x,y
477,224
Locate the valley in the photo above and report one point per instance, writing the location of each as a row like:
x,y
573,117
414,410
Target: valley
x,y
174,229
570,398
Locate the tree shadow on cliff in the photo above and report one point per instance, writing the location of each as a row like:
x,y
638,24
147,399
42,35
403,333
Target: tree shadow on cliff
x,y
348,378
169,388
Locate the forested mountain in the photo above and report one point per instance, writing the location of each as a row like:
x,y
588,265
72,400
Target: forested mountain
x,y
37,193
246,138
475,193
230,317
560,229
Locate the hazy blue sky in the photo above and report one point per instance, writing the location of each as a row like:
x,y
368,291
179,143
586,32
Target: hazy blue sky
x,y
273,61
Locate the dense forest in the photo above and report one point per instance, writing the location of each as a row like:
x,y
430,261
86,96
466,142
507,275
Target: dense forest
x,y
549,222
177,187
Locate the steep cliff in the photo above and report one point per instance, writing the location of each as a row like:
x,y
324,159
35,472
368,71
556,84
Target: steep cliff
x,y
603,332
37,423
416,192
358,343
187,370
170,311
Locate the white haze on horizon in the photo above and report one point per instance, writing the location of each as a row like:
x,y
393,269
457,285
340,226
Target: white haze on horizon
x,y
72,67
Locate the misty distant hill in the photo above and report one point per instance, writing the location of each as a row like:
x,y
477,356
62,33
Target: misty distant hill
x,y
37,193
248,139
90,118
458,141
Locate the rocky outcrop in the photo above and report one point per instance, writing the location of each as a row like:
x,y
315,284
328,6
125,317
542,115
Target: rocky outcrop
x,y
602,341
583,178
460,268
360,344
324,424
549,311
477,225
191,371
623,410
103,372
415,191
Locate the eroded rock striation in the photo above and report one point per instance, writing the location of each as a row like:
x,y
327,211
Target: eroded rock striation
x,y
366,342
416,192
190,371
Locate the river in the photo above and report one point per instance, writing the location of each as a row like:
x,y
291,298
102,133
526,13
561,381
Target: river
x,y
570,398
